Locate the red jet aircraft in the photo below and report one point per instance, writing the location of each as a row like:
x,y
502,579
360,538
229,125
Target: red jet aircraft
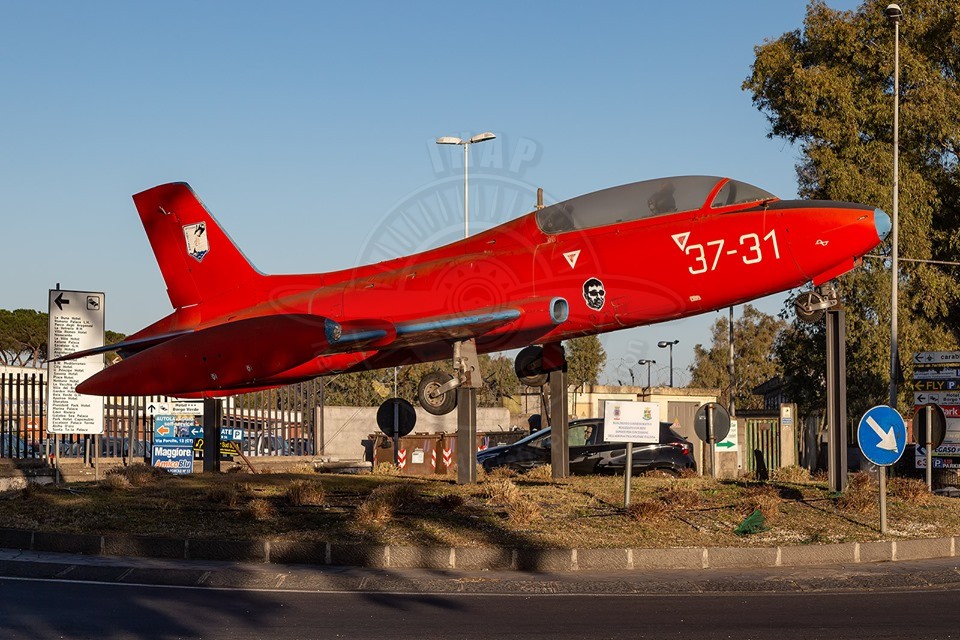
x,y
621,257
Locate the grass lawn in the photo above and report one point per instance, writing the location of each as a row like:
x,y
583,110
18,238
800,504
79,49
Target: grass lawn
x,y
527,511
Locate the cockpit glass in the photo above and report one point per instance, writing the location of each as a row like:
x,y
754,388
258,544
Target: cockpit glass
x,y
736,192
634,201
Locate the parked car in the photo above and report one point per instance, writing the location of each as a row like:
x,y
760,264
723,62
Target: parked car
x,y
590,453
264,445
12,447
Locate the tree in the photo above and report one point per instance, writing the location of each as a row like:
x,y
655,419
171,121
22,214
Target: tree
x,y
754,335
23,337
585,360
829,89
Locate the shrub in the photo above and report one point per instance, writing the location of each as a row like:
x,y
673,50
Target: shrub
x,y
910,490
228,496
541,472
259,510
861,495
305,492
647,510
502,492
762,498
793,473
112,482
524,512
500,473
373,512
386,469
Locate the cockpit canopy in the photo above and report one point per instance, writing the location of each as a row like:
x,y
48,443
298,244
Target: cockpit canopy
x,y
645,199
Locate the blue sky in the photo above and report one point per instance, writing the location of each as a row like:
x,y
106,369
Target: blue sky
x,y
307,127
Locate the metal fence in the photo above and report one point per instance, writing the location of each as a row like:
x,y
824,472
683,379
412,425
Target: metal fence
x,y
760,432
275,422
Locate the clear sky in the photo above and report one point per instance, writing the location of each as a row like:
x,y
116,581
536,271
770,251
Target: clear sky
x,y
308,128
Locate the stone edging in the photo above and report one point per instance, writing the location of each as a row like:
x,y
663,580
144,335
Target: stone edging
x,y
478,558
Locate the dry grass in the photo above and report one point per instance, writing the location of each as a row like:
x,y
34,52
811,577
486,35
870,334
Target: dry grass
x,y
501,492
305,492
581,512
861,496
910,490
259,510
689,473
115,482
681,498
524,512
228,495
501,473
302,468
139,475
793,474
647,510
386,469
762,498
541,472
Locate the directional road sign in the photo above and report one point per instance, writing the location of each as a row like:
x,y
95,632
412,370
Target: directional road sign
x,y
938,424
720,418
76,323
882,435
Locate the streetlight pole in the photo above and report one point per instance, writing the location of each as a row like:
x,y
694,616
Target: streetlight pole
x,y
480,137
663,344
894,14
648,363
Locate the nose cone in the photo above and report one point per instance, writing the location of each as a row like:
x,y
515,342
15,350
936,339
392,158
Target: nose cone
x,y
882,223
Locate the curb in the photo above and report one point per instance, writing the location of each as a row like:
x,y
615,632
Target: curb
x,y
478,558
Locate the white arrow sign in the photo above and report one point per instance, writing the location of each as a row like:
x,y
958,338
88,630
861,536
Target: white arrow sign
x,y
888,441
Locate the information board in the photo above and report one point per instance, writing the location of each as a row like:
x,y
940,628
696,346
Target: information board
x,y
75,324
627,421
936,379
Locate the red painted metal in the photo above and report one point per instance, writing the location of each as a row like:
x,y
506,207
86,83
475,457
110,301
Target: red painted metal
x,y
248,330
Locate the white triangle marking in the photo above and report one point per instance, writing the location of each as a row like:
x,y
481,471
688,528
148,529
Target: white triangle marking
x,y
571,257
681,239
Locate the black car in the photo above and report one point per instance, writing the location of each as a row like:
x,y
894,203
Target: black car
x,y
589,453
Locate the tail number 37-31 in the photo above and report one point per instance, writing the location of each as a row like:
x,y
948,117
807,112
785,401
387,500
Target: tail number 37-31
x,y
750,248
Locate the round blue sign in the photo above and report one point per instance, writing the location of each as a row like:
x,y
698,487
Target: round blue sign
x,y
882,435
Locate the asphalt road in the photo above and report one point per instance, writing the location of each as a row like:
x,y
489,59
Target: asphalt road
x,y
39,609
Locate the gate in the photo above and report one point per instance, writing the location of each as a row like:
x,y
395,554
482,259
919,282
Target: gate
x,y
760,431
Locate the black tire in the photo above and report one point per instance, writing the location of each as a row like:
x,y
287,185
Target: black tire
x,y
426,394
529,367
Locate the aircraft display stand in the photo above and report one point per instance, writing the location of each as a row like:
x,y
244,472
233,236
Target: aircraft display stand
x,y
212,416
466,435
555,363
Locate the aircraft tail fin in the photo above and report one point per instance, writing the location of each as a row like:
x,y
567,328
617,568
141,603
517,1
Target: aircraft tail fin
x,y
197,258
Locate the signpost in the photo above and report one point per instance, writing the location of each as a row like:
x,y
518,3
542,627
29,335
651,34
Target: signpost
x,y
177,430
75,324
936,380
882,436
929,427
712,425
629,422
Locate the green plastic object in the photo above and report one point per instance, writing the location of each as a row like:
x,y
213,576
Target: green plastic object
x,y
753,523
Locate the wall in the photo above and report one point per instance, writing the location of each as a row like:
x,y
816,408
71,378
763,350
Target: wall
x,y
346,428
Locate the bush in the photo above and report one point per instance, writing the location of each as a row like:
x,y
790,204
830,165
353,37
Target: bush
x,y
386,469
861,496
373,512
647,510
794,474
305,492
501,492
524,512
450,501
910,490
762,498
259,510
541,472
228,496
500,473
114,482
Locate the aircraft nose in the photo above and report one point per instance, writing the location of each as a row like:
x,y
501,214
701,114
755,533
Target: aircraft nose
x,y
882,223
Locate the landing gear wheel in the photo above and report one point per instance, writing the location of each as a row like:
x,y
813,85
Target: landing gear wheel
x,y
529,367
809,306
433,402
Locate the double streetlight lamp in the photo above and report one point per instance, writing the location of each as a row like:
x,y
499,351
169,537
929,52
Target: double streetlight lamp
x,y
894,14
648,363
480,137
663,344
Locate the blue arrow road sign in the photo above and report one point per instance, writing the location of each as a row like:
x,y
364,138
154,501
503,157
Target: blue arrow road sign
x,y
882,435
